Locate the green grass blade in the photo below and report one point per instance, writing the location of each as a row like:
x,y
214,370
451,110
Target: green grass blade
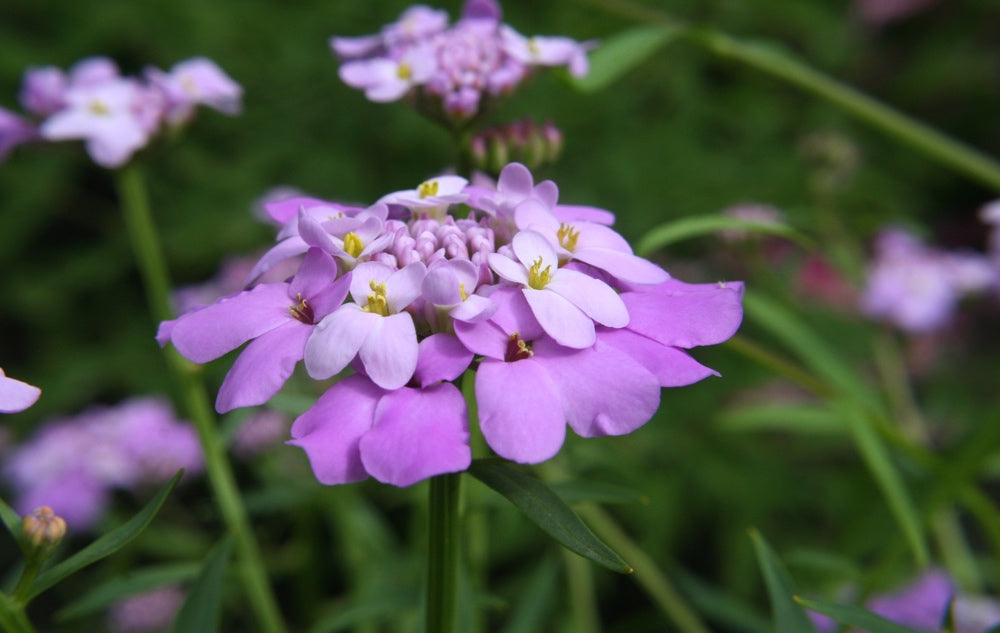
x,y
202,609
105,545
701,225
12,521
788,616
127,585
547,510
621,53
854,617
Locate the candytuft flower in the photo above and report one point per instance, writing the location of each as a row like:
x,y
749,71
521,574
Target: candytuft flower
x,y
114,115
559,321
458,71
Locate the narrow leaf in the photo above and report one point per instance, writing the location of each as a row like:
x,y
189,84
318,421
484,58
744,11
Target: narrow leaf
x,y
105,545
788,616
596,492
547,510
804,419
535,600
854,617
700,225
888,479
202,608
127,585
371,610
12,521
621,53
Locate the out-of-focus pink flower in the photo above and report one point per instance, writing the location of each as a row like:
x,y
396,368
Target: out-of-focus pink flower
x,y
197,81
72,464
916,287
148,612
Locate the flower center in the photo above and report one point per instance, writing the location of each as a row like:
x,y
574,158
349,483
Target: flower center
x,y
517,349
377,303
567,236
404,72
428,189
353,244
302,310
98,108
538,278
461,292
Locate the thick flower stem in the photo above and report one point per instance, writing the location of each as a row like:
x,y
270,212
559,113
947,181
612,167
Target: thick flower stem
x,y
152,266
442,554
12,616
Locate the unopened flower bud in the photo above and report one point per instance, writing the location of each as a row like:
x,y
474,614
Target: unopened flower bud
x,y
43,527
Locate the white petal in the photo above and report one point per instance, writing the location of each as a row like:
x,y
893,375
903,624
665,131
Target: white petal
x,y
336,340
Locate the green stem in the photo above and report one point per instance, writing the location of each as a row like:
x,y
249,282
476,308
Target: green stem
x,y
442,554
153,268
12,616
582,597
656,584
780,64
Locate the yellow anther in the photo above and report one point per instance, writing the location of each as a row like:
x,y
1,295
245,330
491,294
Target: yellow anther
x,y
567,236
404,72
99,108
353,244
461,292
533,47
302,310
428,189
377,303
517,349
538,278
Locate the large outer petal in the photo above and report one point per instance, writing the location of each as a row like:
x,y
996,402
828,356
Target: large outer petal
x,y
485,338
622,265
390,351
418,433
278,253
672,366
335,341
263,367
520,410
703,315
560,319
214,330
604,391
441,357
596,299
330,430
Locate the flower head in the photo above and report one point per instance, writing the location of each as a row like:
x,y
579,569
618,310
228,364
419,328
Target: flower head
x,y
546,303
458,69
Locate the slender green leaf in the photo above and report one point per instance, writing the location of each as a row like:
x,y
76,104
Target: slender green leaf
x,y
596,492
700,225
816,353
127,585
12,522
854,617
547,510
375,609
105,545
804,419
788,616
888,479
202,608
621,53
535,600
720,606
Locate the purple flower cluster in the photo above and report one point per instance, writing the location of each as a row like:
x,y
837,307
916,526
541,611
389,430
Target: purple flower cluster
x,y
917,287
560,320
15,395
72,464
461,67
923,604
114,115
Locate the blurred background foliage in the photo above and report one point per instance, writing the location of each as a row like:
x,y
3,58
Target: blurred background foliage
x,y
684,134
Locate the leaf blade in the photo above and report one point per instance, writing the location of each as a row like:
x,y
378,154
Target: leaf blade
x,y
623,52
788,615
202,609
105,545
547,510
